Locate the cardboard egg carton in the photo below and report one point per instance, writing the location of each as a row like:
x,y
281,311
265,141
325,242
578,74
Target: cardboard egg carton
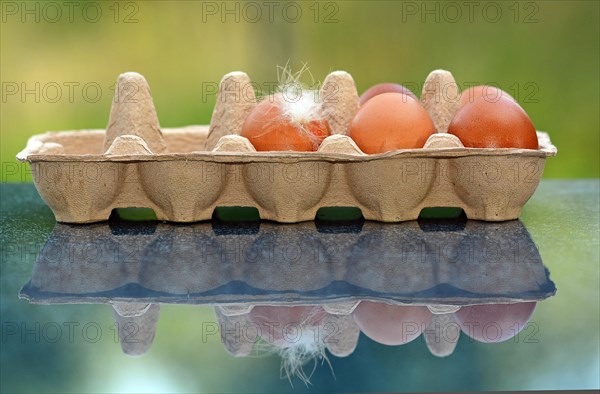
x,y
183,174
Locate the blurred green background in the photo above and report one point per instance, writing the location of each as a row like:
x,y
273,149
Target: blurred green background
x,y
545,54
59,62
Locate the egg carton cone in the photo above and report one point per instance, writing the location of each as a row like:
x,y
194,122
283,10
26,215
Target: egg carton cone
x,y
442,334
136,326
183,174
409,263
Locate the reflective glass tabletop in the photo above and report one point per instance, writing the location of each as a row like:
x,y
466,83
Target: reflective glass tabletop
x,y
227,306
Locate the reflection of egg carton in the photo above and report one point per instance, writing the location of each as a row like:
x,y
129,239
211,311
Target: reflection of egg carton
x,y
184,173
404,263
136,267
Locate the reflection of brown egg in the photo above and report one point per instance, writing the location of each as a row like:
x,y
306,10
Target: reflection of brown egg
x,y
384,88
283,325
495,322
491,93
390,121
391,324
494,124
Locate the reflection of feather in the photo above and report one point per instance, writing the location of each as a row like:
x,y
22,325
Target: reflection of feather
x,y
310,347
302,343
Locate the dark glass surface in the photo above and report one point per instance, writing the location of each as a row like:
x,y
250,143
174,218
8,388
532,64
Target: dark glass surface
x,y
453,261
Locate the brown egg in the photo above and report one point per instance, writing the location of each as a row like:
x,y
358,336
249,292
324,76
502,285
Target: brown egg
x,y
494,124
387,87
279,124
390,121
491,93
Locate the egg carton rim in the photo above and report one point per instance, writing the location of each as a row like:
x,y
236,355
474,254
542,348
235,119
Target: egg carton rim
x,y
29,154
